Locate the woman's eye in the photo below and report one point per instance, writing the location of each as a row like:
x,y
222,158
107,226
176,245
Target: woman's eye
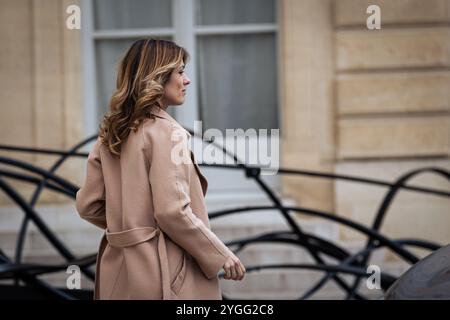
x,y
181,72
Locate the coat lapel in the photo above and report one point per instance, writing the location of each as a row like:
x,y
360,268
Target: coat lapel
x,y
203,180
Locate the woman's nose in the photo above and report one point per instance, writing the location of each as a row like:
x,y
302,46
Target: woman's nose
x,y
186,80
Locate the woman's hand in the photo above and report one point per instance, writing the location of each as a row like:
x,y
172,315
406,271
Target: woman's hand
x,y
233,267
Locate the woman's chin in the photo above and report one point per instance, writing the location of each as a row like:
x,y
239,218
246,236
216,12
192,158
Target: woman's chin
x,y
176,103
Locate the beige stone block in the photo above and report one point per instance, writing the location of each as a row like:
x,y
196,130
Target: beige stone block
x,y
411,214
310,192
307,71
72,73
392,92
16,83
48,75
394,137
353,12
394,48
73,169
306,90
48,70
25,190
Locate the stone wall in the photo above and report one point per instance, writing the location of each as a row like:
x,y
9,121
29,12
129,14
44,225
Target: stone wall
x,y
40,83
392,111
372,103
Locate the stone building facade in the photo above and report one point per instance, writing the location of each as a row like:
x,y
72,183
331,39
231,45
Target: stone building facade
x,y
368,103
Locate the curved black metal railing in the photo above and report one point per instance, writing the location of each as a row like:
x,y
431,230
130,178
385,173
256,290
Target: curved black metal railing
x,y
316,246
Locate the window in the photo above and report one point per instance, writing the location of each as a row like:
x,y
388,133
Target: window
x,y
234,60
233,66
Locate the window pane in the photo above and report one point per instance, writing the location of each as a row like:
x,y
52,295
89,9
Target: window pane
x,y
238,81
108,56
121,14
214,12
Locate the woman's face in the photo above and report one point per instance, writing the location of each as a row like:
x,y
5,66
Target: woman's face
x,y
175,88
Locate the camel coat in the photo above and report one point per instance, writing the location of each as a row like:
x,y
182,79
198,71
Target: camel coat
x,y
157,242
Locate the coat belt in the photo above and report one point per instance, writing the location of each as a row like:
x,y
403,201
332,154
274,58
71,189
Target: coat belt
x,y
132,237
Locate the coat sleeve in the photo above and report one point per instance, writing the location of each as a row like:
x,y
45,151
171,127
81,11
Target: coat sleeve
x,y
169,181
90,198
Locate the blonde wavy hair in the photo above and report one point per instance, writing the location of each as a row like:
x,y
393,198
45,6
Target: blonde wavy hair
x,y
143,72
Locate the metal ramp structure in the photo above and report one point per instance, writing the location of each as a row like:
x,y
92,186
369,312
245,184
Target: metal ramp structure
x,y
25,276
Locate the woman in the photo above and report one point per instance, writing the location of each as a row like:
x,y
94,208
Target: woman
x,y
157,243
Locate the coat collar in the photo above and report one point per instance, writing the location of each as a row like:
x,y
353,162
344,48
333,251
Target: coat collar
x,y
161,113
